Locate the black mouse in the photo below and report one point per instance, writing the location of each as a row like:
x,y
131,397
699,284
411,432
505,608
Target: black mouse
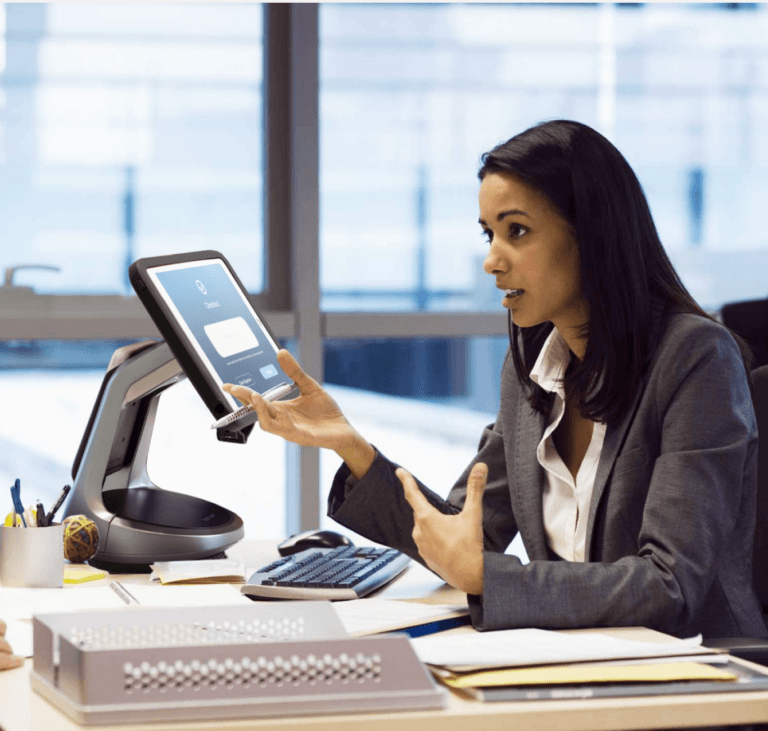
x,y
312,539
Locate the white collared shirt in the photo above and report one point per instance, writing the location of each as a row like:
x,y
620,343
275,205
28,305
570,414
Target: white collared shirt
x,y
565,501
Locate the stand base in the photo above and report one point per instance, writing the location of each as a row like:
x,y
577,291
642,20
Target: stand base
x,y
165,508
151,524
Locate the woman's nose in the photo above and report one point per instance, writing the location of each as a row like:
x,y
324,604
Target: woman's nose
x,y
494,263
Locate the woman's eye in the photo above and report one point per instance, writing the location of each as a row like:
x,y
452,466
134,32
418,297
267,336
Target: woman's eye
x,y
516,231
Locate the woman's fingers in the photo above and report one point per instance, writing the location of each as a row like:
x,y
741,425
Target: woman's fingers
x,y
293,370
413,495
7,659
241,393
265,410
249,396
475,488
8,662
420,507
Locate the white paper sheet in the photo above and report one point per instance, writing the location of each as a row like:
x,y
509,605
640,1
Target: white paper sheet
x,y
517,647
372,616
23,603
18,605
208,571
18,634
188,596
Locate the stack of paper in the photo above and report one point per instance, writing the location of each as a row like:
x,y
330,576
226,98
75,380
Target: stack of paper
x,y
519,647
531,664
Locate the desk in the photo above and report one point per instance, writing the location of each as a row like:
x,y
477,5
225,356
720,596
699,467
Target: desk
x,y
21,709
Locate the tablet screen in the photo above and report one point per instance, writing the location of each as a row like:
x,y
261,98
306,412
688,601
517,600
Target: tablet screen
x,y
220,323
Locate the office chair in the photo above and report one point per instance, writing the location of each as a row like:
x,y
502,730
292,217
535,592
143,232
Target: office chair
x,y
750,320
749,648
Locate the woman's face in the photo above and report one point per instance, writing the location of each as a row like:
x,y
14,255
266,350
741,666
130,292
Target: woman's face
x,y
532,251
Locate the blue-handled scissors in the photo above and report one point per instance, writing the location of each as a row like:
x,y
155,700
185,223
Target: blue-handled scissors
x,y
16,497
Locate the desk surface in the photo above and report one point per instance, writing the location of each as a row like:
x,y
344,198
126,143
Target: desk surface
x,y
21,709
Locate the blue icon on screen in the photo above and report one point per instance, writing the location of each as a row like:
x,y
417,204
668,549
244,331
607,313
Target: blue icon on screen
x,y
268,371
201,286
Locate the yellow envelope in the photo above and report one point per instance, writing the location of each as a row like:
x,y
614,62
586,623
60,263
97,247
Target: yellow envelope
x,y
576,673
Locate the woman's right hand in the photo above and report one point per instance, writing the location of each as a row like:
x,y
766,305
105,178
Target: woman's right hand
x,y
313,419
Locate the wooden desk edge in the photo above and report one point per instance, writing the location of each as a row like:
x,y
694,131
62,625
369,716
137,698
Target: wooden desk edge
x,y
31,711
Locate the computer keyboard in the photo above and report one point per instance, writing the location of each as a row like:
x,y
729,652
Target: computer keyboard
x,y
347,572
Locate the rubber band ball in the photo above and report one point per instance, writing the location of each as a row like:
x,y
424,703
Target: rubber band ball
x,y
81,538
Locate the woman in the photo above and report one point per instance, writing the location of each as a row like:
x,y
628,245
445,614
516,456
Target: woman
x,y
624,451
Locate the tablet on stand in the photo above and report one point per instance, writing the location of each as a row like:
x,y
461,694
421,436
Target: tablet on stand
x,y
213,335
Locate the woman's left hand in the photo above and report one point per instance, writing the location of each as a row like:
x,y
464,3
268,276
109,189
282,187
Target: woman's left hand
x,y
451,545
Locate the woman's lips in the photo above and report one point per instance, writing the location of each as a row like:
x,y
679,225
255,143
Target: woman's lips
x,y
512,293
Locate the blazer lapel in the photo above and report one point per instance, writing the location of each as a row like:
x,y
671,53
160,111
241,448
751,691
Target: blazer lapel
x,y
527,485
612,444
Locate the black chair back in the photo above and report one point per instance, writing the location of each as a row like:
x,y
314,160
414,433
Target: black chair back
x,y
760,556
755,649
750,320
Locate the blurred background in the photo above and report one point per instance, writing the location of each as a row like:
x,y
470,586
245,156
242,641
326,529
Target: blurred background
x,y
139,129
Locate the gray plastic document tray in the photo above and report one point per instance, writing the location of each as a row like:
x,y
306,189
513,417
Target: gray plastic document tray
x,y
173,664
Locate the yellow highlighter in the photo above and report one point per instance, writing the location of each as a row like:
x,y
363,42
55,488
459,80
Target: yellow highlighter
x,y
13,520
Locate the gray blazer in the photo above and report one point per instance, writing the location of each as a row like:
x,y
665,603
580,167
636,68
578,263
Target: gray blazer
x,y
672,517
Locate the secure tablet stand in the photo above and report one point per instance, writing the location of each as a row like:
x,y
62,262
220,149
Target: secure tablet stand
x,y
140,523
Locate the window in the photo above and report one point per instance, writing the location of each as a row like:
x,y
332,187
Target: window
x,y
412,95
127,131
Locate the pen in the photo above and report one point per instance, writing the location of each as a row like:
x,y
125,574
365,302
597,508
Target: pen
x,y
40,512
272,395
123,593
16,497
57,504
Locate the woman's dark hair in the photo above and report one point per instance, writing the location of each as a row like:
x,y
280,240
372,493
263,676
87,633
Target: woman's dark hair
x,y
627,279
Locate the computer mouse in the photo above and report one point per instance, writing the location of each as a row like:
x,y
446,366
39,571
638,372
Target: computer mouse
x,y
312,539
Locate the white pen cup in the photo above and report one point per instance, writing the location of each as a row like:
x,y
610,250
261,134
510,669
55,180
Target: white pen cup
x,y
32,557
